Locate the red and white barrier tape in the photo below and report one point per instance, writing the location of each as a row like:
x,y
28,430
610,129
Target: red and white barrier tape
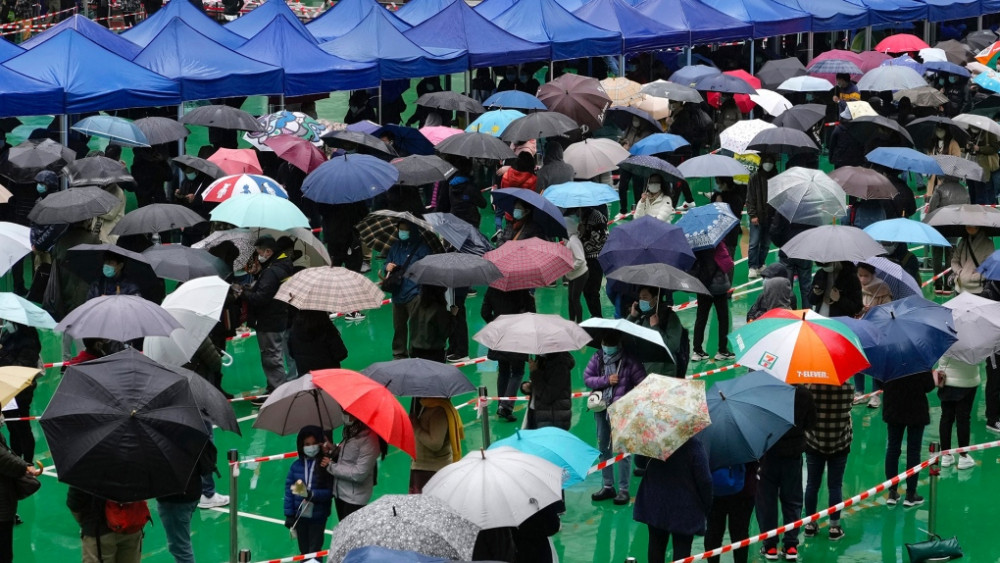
x,y
473,361
21,419
338,315
316,555
935,278
19,24
713,371
289,455
248,398
250,333
862,398
607,463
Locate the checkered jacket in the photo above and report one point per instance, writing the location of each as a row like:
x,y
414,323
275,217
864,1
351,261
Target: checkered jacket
x,y
832,432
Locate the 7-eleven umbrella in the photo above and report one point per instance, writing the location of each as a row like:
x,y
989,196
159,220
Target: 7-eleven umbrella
x,y
370,402
330,289
799,347
658,416
529,263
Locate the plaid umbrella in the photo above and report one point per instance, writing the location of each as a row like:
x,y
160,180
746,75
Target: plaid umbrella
x,y
621,90
378,230
835,66
330,289
529,263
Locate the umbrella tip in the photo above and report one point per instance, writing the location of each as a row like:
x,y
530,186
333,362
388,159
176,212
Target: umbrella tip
x,y
892,314
722,395
518,432
394,511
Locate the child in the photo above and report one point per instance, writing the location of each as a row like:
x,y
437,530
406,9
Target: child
x,y
308,491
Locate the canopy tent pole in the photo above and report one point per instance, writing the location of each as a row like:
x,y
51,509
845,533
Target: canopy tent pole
x,y
621,65
979,22
753,49
809,46
552,71
927,32
868,38
689,55
468,91
64,139
281,102
380,101
234,480
180,144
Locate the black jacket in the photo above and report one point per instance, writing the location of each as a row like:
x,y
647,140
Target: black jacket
x,y
269,314
462,199
11,467
551,387
849,304
20,348
315,347
496,303
793,443
88,510
904,400
845,148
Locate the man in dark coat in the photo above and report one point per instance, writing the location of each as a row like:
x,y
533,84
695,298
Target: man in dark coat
x,y
20,346
11,468
836,291
550,388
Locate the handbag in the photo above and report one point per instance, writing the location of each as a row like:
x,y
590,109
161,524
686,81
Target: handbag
x,y
934,549
596,402
26,485
394,279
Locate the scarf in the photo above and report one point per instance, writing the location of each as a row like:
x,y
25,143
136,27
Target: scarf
x,y
456,432
610,362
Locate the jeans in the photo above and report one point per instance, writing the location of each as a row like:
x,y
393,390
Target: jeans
x,y
592,289
400,320
705,303
208,480
458,341
272,345
992,390
310,534
834,465
509,376
802,269
176,520
779,478
575,291
760,244
658,540
958,413
914,439
860,385
737,509
604,445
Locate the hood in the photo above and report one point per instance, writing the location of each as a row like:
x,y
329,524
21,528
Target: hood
x,y
306,431
553,152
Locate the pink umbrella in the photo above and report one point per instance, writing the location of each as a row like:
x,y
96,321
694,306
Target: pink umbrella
x,y
529,263
436,134
901,43
836,54
872,59
237,161
297,151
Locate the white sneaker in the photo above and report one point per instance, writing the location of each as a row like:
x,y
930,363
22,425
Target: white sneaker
x,y
366,267
874,402
214,501
947,460
753,273
619,217
858,398
966,462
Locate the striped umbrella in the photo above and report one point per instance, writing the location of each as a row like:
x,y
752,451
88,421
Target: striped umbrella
x,y
242,184
529,263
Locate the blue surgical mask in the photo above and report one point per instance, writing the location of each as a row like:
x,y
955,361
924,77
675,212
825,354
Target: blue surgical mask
x,y
190,175
609,350
9,327
645,306
311,451
518,214
952,79
41,188
404,235
108,270
522,77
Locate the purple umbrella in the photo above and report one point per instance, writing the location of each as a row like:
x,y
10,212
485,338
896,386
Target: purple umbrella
x,y
646,240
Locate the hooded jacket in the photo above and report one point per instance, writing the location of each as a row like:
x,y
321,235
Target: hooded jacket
x,y
554,169
269,314
320,486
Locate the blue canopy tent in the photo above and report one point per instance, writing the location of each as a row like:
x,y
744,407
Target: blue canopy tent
x,y
205,69
417,12
639,32
8,50
458,26
546,22
346,15
308,69
21,95
93,31
376,39
490,9
147,30
707,24
92,77
946,10
767,16
894,12
249,25
831,15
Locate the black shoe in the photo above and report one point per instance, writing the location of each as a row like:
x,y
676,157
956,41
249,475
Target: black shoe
x,y
259,402
622,498
606,493
913,500
506,416
17,519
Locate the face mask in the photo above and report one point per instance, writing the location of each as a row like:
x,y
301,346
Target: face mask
x,y
809,97
261,258
190,175
890,247
510,77
404,235
41,188
609,350
518,214
108,270
829,268
939,133
767,166
9,327
636,121
952,80
645,306
522,77
356,109
653,188
311,451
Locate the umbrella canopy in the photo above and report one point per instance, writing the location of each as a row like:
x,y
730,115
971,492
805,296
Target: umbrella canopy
x,y
124,410
118,317
474,145
893,78
646,240
369,402
5,195
260,210
969,120
532,333
571,195
237,161
221,117
453,269
415,377
902,229
905,158
419,170
580,98
529,263
29,158
959,167
501,488
924,96
72,206
644,166
774,72
514,99
832,243
711,166
724,83
16,244
96,171
19,310
86,261
214,405
689,75
182,263
622,116
802,117
738,136
358,141
977,322
799,347
419,523
621,90
379,230
405,140
13,380
160,130
556,445
546,215
771,101
118,130
835,66
951,220
658,416
435,134
156,218
197,306
914,332
207,168
863,183
296,151
806,84
330,289
657,108
450,101
806,196
458,233
643,344
662,276
704,227
349,178
494,122
281,123
658,143
901,284
990,268
593,157
778,140
538,125
901,43
956,52
672,91
749,414
298,403
242,239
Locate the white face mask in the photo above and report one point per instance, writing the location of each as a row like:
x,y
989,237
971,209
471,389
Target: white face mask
x,y
767,166
653,188
262,258
636,122
311,451
940,134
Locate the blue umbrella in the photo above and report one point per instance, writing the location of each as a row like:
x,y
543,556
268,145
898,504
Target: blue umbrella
x,y
494,122
990,268
557,446
913,334
905,158
119,131
902,229
907,61
458,233
749,414
364,126
834,66
657,143
349,178
989,80
646,166
406,140
547,216
691,74
570,195
379,554
706,226
869,336
514,99
947,67
646,240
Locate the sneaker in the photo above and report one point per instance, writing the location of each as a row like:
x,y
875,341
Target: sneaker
x,y
698,356
258,402
835,533
810,529
724,356
769,553
791,553
622,498
472,293
607,493
913,500
893,498
753,273
875,402
366,267
456,358
947,460
355,316
858,398
619,217
966,462
213,501
507,416
993,427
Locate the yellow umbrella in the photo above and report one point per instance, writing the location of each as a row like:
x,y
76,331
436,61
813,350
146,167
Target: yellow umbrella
x,y
622,91
13,380
659,108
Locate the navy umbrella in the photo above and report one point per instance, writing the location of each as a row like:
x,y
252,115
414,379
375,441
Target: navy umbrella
x,y
646,240
406,140
349,178
691,74
621,117
947,68
646,166
458,233
749,414
913,334
725,83
547,216
414,377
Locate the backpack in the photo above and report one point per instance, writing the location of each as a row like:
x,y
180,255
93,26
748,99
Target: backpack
x,y
728,480
126,517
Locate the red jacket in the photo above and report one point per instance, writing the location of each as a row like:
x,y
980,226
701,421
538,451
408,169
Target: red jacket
x,y
517,179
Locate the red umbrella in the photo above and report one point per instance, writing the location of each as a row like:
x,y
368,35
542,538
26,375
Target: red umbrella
x,y
871,59
297,151
746,77
901,43
580,98
371,403
529,263
237,161
743,101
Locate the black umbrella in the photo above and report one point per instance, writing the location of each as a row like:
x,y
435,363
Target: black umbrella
x,y
955,51
159,130
672,91
207,168
118,317
979,40
34,155
988,106
413,377
866,126
476,145
222,117
537,125
646,165
450,101
182,263
87,260
418,170
213,403
663,276
621,117
775,72
802,117
157,218
362,142
453,269
73,205
124,428
923,128
724,83
778,140
96,171
951,220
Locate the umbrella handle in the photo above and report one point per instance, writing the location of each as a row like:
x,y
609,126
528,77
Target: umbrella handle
x,y
227,360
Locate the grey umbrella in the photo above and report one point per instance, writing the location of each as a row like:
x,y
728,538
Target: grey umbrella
x,y
802,117
865,127
672,91
663,276
34,155
207,168
951,220
363,142
222,117
418,170
181,263
923,128
775,72
783,140
532,333
159,130
833,243
959,167
538,125
213,404
453,269
415,377
418,523
72,205
118,317
96,171
979,40
476,145
459,234
296,404
156,218
711,165
450,101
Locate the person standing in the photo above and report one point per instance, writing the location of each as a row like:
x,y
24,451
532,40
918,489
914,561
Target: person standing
x,y
20,346
905,411
957,383
554,169
947,192
549,388
714,268
438,434
836,290
12,467
828,444
309,491
431,321
735,196
577,277
510,365
737,508
654,202
315,343
100,544
353,466
175,511
760,212
982,148
972,250
652,311
593,231
408,248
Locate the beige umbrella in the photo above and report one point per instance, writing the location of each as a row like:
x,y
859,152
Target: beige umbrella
x,y
330,289
5,195
13,380
924,96
593,157
659,108
860,109
622,91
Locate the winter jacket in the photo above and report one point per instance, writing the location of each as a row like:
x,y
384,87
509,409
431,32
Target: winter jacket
x,y
70,290
112,286
430,325
676,495
192,491
102,226
904,400
793,443
579,257
516,179
88,510
403,254
11,468
948,192
532,536
630,374
986,156
959,374
850,302
269,314
554,170
462,199
520,230
433,446
354,471
674,335
969,255
551,387
44,237
320,489
845,148
315,348
660,207
593,232
20,348
757,205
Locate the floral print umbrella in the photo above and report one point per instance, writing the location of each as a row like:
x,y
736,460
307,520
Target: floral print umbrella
x,y
658,416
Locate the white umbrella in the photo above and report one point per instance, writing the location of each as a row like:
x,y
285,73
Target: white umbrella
x,y
806,84
631,329
736,137
893,77
711,166
593,157
832,243
977,321
806,196
498,488
15,243
532,333
197,306
967,120
929,54
771,101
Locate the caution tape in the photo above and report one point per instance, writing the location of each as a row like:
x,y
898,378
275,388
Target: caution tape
x,y
59,364
862,398
21,419
935,278
694,302
337,315
607,463
316,555
712,371
19,24
289,455
473,361
248,398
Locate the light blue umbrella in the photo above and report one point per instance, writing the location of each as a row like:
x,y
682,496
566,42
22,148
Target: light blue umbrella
x,y
349,178
704,227
902,229
557,446
657,143
260,210
21,311
494,122
514,99
989,80
947,67
580,194
120,131
990,269
883,78
905,158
